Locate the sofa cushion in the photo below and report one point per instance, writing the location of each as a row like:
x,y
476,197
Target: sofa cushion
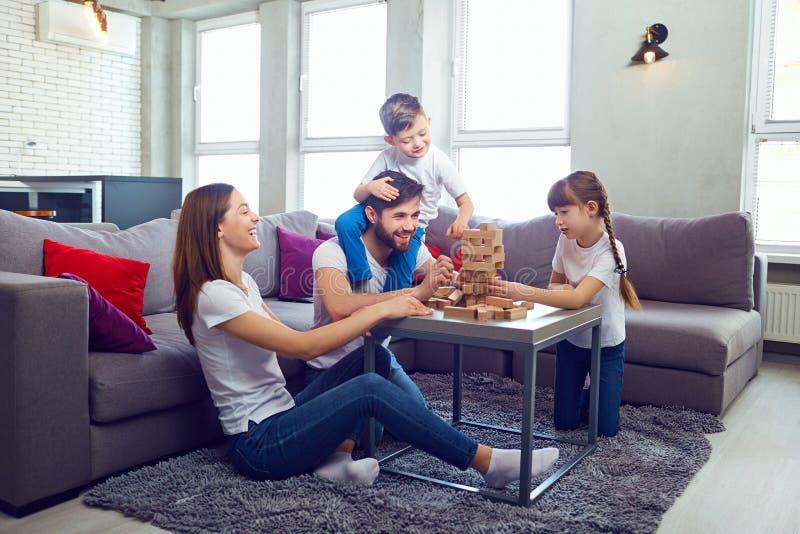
x,y
707,260
689,336
151,242
262,263
124,385
529,245
110,330
120,280
296,273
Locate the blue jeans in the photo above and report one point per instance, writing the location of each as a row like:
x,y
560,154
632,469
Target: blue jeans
x,y
572,364
325,413
397,376
349,227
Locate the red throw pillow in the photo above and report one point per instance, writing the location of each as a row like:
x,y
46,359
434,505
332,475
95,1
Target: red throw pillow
x,y
120,280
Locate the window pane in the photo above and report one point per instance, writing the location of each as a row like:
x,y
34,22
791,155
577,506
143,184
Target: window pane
x,y
786,83
777,190
240,170
519,191
515,64
329,179
346,71
229,83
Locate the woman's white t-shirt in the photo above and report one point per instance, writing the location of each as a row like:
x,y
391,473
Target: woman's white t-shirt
x,y
598,262
245,381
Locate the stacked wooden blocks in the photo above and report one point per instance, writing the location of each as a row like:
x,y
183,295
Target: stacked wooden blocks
x,y
482,253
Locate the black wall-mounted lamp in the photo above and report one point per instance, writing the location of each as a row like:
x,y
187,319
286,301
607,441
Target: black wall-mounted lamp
x,y
650,52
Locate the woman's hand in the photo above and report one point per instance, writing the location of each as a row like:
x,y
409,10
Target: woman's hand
x,y
398,307
500,288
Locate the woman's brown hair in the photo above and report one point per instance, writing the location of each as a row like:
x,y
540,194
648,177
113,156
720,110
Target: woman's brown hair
x,y
579,188
196,259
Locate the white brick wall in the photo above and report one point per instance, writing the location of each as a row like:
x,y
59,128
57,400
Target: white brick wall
x,y
82,107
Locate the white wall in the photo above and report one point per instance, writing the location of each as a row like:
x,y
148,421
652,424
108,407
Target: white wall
x,y
666,139
81,107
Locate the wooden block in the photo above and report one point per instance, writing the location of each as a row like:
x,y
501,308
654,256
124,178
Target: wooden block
x,y
488,226
439,303
500,302
454,312
499,265
514,314
477,266
443,291
528,305
455,296
474,241
483,314
497,256
470,300
480,299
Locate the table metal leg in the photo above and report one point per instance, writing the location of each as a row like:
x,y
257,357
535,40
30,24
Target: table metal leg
x,y
369,367
529,380
594,390
458,367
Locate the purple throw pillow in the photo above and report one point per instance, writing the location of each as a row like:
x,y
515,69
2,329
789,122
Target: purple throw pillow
x,y
110,330
297,275
322,234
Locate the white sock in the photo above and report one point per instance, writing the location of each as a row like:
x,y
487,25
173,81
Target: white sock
x,y
504,465
340,467
587,382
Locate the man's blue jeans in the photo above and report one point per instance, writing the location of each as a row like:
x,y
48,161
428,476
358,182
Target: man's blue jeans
x,y
570,399
397,376
326,413
349,227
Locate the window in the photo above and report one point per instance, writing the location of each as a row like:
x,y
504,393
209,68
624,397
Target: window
x,y
773,172
228,103
343,84
512,62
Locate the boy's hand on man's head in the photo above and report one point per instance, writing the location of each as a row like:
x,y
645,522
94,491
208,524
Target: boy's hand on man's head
x,y
381,189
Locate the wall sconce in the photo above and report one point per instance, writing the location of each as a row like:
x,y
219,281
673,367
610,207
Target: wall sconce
x,y
650,52
95,14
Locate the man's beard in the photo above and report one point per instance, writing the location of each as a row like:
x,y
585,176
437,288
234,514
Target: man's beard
x,y
388,238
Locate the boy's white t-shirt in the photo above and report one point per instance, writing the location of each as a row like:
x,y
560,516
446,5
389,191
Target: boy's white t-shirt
x,y
245,381
598,262
330,254
434,171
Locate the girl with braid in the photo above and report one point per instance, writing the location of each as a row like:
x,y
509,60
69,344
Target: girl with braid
x,y
589,267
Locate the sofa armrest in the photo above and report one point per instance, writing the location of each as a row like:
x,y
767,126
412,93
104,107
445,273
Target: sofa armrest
x,y
760,266
44,387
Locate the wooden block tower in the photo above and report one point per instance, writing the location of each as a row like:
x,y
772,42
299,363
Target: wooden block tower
x,y
483,254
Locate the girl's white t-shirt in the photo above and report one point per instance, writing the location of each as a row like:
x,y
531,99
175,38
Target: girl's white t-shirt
x,y
598,262
245,381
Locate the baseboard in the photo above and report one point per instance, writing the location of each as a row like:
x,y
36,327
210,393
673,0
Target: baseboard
x,y
37,506
780,347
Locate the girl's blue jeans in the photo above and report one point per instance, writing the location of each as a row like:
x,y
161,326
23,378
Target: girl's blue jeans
x,y
570,399
349,227
327,412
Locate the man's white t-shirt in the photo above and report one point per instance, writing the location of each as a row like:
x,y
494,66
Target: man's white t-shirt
x,y
598,262
330,254
245,381
434,171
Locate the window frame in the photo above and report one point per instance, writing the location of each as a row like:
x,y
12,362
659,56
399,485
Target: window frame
x,y
327,144
218,148
528,137
761,127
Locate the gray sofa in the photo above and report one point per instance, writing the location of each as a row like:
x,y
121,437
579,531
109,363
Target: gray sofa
x,y
70,416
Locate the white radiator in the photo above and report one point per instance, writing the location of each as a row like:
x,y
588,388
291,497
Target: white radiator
x,y
783,313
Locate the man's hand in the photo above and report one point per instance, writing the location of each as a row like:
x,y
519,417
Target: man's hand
x,y
382,190
456,230
438,274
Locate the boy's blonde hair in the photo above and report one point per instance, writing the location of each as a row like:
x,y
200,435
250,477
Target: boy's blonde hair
x,y
399,112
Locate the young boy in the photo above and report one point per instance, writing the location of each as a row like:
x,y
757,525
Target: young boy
x,y
411,152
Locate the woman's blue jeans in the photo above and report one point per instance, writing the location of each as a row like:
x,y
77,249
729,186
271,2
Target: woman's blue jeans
x,y
570,399
327,412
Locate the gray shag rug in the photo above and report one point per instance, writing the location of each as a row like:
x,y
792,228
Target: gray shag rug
x,y
625,486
